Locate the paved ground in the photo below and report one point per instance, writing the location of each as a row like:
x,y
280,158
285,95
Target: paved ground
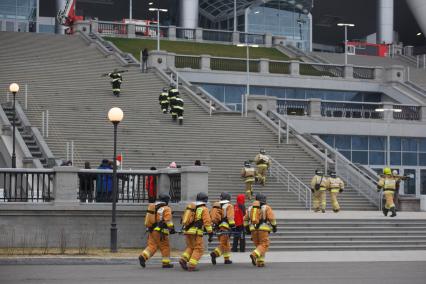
x,y
297,273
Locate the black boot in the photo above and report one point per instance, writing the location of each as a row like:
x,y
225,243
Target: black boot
x,y
228,261
393,210
213,257
385,211
142,261
242,244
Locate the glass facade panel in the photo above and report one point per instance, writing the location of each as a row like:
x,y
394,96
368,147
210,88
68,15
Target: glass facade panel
x,y
395,158
329,139
359,143
422,159
410,184
257,91
409,159
422,181
395,144
233,94
377,158
409,144
377,143
422,144
347,154
343,142
360,157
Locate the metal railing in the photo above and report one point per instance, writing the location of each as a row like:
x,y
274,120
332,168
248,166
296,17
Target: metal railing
x,y
233,64
187,61
175,186
364,73
279,67
26,185
408,112
110,28
317,69
96,186
217,35
183,33
293,107
351,109
252,38
291,183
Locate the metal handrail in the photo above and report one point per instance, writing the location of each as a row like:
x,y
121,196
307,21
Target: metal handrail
x,y
293,184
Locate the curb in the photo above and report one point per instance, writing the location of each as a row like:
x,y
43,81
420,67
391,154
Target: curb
x,y
76,261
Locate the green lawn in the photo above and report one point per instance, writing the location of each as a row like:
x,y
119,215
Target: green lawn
x,y
190,48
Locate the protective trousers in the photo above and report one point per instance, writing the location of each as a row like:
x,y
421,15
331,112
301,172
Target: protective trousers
x,y
194,250
333,198
239,238
249,188
261,241
165,107
319,200
179,113
157,241
224,247
262,170
389,199
116,87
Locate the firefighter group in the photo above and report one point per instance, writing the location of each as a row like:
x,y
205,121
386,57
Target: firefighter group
x,y
222,220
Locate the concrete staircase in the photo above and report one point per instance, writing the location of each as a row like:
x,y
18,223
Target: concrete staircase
x,y
346,234
63,76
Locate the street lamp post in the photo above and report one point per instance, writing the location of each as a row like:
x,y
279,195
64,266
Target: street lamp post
x,y
115,115
13,88
158,23
387,119
346,25
248,70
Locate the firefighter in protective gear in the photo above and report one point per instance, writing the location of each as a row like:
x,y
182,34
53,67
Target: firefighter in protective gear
x,y
194,234
164,100
249,175
263,162
222,215
158,237
335,185
259,222
178,109
173,94
388,184
319,188
116,80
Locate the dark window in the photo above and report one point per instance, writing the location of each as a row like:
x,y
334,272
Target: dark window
x,y
395,144
343,142
359,143
377,143
377,158
409,144
360,157
409,159
395,158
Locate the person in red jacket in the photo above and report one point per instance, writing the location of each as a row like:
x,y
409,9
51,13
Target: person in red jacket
x,y
239,212
151,186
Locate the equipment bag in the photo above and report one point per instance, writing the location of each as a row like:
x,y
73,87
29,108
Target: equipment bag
x,y
188,216
255,213
216,213
249,172
318,184
151,215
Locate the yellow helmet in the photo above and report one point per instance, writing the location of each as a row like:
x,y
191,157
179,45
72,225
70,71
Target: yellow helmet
x,y
387,171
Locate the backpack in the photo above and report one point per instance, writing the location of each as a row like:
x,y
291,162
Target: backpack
x,y
216,213
188,217
256,213
151,215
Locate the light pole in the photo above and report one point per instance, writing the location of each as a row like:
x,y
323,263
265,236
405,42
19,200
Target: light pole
x,y
158,23
13,88
115,115
346,25
235,15
248,70
387,119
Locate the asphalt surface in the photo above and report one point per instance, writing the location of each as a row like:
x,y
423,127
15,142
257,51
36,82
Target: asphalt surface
x,y
298,273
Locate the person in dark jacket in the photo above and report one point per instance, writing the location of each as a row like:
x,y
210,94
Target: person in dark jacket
x,y
239,212
144,60
87,184
104,183
151,186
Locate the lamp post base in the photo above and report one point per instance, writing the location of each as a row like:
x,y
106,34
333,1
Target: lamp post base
x,y
113,238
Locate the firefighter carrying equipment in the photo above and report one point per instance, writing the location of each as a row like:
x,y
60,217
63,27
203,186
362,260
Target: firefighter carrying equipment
x,y
388,184
173,94
194,234
259,219
116,80
164,101
159,231
222,215
335,185
249,175
263,163
318,188
177,109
